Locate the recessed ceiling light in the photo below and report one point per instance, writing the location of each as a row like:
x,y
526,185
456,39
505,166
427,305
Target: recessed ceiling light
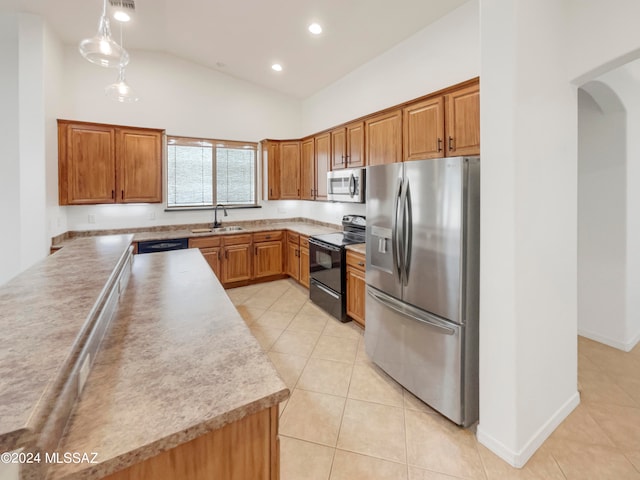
x,y
315,28
277,67
121,16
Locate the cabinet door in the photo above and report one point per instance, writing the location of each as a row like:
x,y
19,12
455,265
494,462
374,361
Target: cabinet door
x,y
338,148
323,164
355,145
236,265
290,173
293,260
383,138
212,256
267,259
307,170
270,152
139,169
463,121
87,164
304,267
356,286
423,129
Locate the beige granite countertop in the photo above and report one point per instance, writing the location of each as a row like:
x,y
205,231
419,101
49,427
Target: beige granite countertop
x,y
178,362
45,315
169,232
358,247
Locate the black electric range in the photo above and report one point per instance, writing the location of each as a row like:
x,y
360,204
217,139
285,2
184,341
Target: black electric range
x,y
327,265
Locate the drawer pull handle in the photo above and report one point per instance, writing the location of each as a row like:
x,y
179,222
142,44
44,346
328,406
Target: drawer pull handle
x,y
360,264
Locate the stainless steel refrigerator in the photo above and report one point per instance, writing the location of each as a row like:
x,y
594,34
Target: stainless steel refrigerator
x,y
423,242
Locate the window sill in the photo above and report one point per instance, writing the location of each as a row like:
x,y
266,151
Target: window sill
x,y
195,209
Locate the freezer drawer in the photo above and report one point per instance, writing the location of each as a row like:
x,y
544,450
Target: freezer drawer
x,y
422,352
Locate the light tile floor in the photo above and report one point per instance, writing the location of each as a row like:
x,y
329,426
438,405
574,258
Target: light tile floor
x,y
347,420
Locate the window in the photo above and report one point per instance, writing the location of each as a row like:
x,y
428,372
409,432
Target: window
x,y
203,172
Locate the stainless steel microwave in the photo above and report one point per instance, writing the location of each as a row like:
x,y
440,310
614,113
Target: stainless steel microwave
x,y
346,185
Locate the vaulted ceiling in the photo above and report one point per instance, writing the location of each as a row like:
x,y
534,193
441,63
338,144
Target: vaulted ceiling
x,y
243,38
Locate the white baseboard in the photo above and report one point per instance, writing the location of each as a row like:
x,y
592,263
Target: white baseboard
x,y
624,346
519,458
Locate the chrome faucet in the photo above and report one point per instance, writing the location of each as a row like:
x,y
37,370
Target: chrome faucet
x,y
216,223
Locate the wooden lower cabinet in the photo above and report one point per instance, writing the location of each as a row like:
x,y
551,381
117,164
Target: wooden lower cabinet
x,y
304,261
293,255
356,287
245,449
268,257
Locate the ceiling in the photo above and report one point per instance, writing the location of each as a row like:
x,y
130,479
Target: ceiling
x,y
243,38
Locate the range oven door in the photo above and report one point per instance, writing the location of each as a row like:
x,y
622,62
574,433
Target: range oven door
x,y
327,282
325,265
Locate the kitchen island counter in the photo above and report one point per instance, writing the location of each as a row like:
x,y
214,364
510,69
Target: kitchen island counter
x,y
178,364
46,315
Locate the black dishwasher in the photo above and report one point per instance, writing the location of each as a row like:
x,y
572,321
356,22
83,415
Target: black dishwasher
x,y
163,245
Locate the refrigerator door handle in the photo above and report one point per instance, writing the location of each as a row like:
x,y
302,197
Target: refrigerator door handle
x,y
395,244
408,311
407,231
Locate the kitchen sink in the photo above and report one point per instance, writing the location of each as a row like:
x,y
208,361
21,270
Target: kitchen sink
x,y
230,228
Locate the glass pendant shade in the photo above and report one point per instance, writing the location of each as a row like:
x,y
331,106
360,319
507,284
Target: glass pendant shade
x,y
101,49
121,91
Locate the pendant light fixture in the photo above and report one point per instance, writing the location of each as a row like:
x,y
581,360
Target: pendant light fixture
x,y
101,49
121,90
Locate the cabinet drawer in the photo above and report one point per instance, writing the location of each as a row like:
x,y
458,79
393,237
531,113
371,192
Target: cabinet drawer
x,y
204,242
237,239
304,241
356,260
267,236
293,237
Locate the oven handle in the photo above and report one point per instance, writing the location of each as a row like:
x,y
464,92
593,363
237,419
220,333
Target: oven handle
x,y
325,289
324,245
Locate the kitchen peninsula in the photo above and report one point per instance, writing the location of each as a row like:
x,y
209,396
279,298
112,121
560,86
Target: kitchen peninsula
x,y
179,388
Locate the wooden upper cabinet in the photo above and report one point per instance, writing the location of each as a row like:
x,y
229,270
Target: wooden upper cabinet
x,y
290,170
108,164
423,129
86,163
271,152
307,170
338,148
347,146
463,121
323,164
383,138
355,145
139,171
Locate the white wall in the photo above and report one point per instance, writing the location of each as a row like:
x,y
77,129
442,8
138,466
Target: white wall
x,y
528,351
602,215
54,102
600,36
623,83
442,54
10,164
23,169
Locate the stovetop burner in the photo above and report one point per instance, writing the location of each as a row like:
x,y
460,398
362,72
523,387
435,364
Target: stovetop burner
x,y
354,232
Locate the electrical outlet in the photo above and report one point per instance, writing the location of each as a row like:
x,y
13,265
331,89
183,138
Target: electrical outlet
x,y
84,373
92,218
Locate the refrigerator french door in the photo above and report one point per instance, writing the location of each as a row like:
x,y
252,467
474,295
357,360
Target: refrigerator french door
x,y
422,279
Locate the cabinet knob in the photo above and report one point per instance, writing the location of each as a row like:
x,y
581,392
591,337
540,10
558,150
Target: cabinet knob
x,y
450,143
113,194
122,194
439,144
